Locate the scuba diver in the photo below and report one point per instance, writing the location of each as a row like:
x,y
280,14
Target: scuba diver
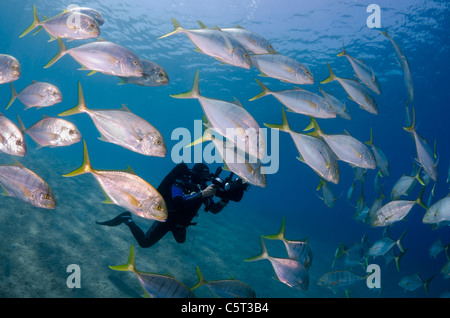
x,y
184,192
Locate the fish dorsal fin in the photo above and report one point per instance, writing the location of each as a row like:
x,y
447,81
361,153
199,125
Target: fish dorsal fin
x,y
34,82
239,27
201,24
217,28
18,164
237,102
125,108
129,170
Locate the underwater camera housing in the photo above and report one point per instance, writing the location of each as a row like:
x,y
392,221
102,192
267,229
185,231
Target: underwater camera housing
x,y
228,189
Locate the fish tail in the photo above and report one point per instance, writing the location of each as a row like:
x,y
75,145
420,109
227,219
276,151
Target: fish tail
x,y
418,178
370,142
176,29
280,234
33,25
412,128
419,200
331,78
284,126
397,259
207,134
21,125
343,50
425,284
193,93
265,90
13,96
62,51
201,280
399,242
338,254
85,166
80,107
264,254
313,125
129,266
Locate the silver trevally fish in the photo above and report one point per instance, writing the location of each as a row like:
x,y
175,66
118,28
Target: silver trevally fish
x,y
376,205
328,194
339,107
289,271
425,156
313,151
37,94
363,71
356,91
395,211
12,141
298,250
154,75
346,147
405,184
405,67
9,69
22,183
300,101
93,13
380,157
123,128
69,25
282,67
156,285
384,245
215,43
231,120
437,247
251,41
225,288
340,280
126,189
234,159
413,282
102,56
439,212
52,132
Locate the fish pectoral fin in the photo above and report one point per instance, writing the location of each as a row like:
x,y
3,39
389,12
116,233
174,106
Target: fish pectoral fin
x,y
25,191
312,104
132,200
288,69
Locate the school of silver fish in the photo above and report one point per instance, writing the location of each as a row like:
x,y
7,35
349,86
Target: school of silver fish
x,y
234,133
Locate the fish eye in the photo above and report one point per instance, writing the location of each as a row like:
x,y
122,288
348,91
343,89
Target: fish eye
x,y
161,74
18,143
91,25
245,55
158,208
71,132
46,197
135,62
157,142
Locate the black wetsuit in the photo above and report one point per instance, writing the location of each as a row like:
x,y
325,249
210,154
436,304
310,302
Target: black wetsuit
x,y
183,200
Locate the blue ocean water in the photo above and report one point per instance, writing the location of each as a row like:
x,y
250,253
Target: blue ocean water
x,y
38,245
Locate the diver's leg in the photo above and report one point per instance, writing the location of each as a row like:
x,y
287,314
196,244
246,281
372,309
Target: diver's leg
x,y
153,235
179,234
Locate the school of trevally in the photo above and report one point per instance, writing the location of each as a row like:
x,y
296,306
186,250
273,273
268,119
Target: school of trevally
x,y
335,113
